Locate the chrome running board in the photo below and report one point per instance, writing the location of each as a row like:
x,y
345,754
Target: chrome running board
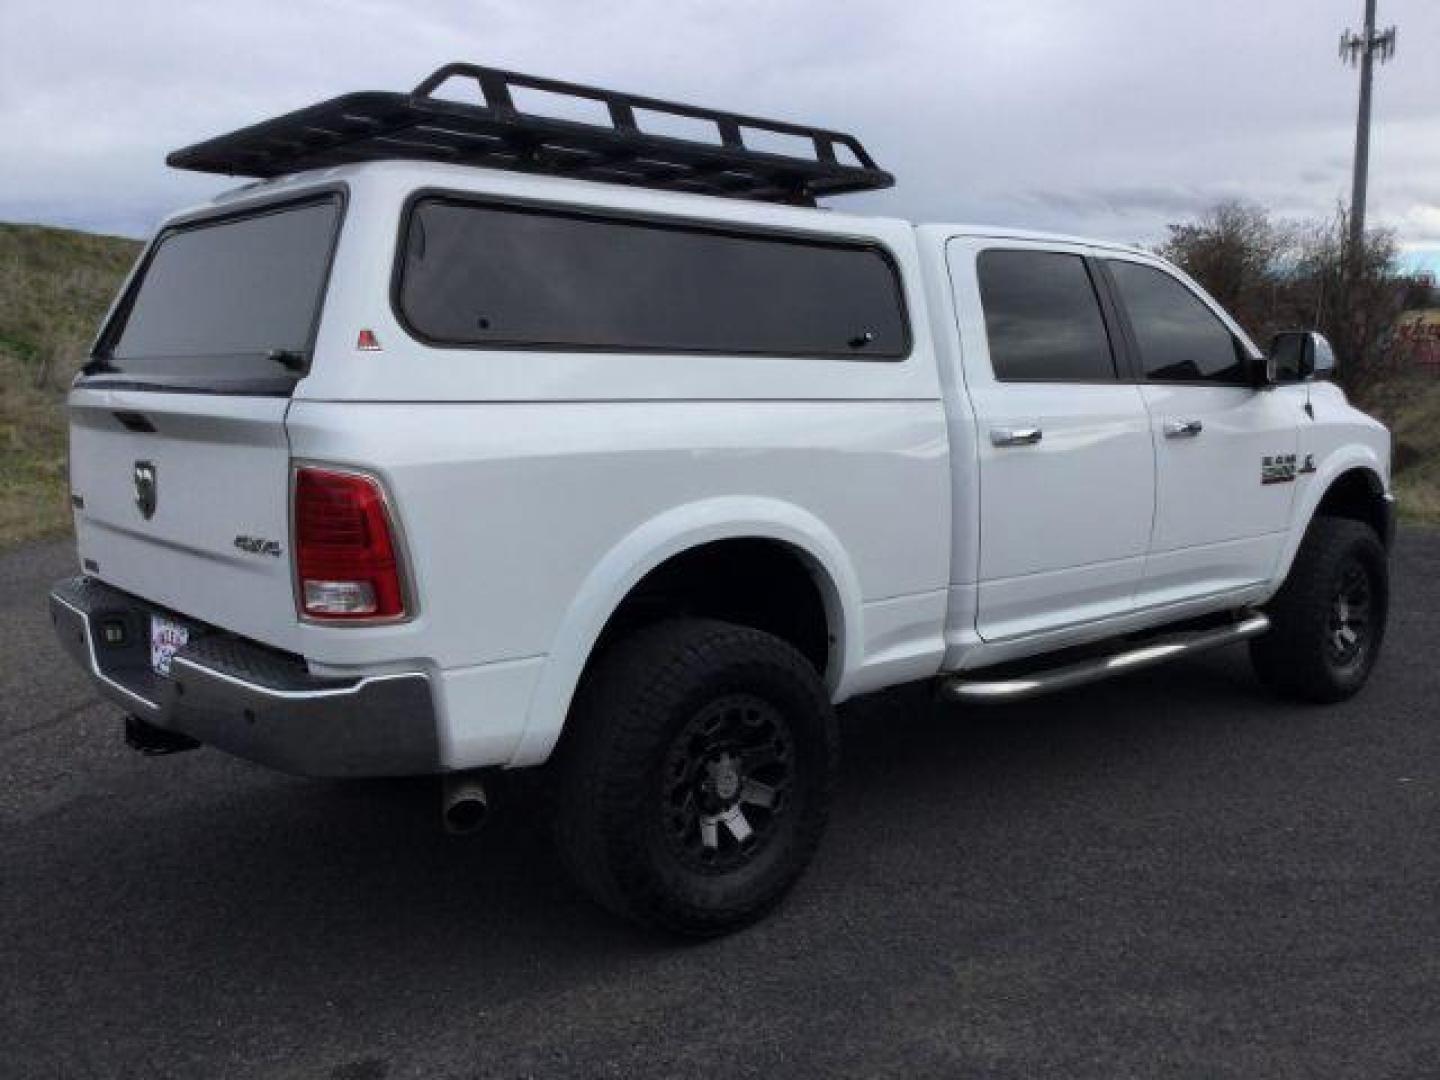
x,y
976,688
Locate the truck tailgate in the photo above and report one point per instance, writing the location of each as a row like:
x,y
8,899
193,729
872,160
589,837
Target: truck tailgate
x,y
183,500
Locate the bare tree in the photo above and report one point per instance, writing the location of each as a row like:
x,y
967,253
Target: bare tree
x,y
1234,250
1277,275
1354,305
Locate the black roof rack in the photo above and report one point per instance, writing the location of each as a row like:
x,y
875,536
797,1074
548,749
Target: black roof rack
x,y
496,134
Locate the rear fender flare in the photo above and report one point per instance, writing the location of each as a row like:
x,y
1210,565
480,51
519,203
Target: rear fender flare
x,y
659,539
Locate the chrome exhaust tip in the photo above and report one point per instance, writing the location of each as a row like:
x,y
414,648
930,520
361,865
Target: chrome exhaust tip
x,y
464,804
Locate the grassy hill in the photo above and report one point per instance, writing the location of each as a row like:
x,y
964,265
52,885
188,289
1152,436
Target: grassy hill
x,y
55,286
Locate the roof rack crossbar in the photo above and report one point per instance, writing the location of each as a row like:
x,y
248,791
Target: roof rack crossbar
x,y
497,132
495,87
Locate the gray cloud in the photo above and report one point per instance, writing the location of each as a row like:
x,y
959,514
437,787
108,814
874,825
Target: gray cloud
x,y
1110,118
1167,202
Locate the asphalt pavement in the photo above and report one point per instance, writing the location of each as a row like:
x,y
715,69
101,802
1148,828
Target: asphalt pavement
x,y
1166,875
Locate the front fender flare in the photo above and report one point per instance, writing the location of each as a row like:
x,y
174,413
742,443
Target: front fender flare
x,y
651,544
1342,461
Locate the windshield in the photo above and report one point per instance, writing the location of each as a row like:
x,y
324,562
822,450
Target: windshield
x,y
224,303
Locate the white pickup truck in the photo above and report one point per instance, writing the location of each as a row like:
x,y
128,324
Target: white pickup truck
x,y
474,437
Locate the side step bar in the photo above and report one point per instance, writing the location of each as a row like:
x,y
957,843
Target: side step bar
x,y
976,688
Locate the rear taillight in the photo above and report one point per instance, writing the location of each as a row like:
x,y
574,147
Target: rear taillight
x,y
346,560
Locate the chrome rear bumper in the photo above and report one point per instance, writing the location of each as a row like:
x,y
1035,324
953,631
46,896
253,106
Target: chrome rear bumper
x,y
245,699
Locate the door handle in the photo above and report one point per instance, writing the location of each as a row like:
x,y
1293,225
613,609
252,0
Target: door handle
x,y
1183,429
1017,436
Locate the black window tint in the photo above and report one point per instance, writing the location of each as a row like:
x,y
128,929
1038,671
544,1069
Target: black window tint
x,y
477,274
238,287
1042,317
1180,339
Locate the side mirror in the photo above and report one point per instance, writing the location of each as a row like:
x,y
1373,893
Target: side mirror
x,y
1297,355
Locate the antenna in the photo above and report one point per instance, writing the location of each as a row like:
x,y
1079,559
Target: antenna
x,y
1382,45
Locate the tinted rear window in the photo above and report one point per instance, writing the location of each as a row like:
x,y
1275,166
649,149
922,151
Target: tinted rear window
x,y
217,298
482,275
1042,318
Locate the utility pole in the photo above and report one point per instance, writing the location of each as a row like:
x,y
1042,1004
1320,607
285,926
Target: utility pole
x,y
1363,49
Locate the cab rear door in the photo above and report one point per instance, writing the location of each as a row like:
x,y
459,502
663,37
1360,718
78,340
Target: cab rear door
x,y
1066,466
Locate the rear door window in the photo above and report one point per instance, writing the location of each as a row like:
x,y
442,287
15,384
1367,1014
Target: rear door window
x,y
226,303
504,276
1042,318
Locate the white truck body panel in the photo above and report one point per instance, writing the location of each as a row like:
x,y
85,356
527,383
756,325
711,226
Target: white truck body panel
x,y
1217,527
527,524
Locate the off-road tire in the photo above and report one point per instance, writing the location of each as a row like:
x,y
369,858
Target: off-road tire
x,y
618,826
1300,657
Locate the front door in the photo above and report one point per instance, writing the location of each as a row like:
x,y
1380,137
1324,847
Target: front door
x,y
1225,450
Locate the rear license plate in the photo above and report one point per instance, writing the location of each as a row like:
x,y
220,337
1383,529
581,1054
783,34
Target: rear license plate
x,y
167,637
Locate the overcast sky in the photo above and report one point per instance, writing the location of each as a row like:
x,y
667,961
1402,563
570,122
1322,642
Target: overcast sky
x,y
1102,117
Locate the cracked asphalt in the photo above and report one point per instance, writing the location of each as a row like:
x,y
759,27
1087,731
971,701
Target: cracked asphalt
x,y
1169,875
